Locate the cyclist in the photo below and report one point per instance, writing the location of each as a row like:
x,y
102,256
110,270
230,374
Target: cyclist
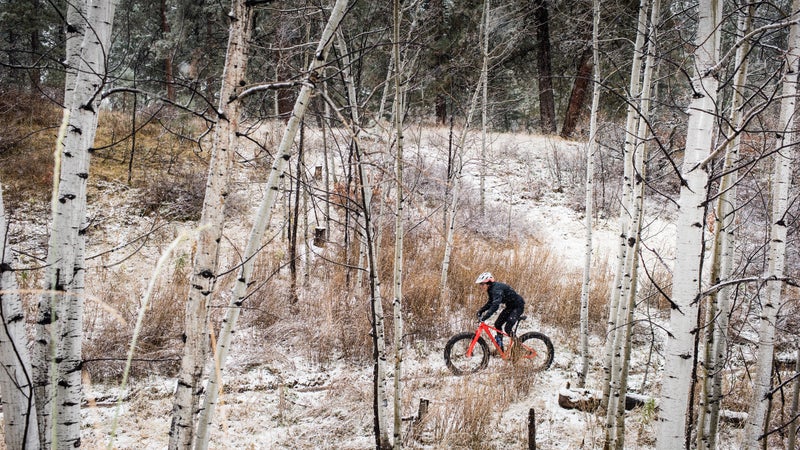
x,y
500,294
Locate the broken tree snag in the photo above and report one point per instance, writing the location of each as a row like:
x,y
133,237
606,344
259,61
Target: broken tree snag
x,y
320,236
423,410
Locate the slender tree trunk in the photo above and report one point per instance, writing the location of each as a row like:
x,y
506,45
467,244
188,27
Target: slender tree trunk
x,y
294,222
380,402
212,220
547,104
631,126
484,103
785,153
679,360
57,361
448,249
591,153
378,325
397,301
16,382
616,415
261,222
718,305
169,77
791,438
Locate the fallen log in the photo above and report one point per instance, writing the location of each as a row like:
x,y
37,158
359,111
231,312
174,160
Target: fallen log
x,y
589,400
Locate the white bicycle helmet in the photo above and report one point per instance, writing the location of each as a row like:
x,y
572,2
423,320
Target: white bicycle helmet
x,y
485,277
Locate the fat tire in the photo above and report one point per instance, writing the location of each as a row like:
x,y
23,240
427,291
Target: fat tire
x,y
454,354
539,342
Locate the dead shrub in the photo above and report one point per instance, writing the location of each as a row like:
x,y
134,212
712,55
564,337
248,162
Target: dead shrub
x,y
177,196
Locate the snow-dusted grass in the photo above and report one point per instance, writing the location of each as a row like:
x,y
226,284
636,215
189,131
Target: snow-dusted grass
x,y
300,374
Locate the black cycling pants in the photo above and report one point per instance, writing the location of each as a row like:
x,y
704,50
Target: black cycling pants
x,y
507,318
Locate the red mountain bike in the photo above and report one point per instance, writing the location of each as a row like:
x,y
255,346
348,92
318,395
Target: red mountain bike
x,y
468,352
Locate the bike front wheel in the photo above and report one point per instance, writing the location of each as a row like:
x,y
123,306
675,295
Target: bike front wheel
x,y
536,351
455,354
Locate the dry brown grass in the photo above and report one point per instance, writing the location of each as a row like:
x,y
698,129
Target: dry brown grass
x,y
165,166
468,415
27,140
109,323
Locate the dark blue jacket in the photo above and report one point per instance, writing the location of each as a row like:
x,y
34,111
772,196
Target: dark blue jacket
x,y
500,294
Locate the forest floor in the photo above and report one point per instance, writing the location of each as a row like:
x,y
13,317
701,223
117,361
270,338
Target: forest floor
x,y
277,395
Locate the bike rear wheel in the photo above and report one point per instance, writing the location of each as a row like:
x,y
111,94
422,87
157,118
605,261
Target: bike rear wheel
x,y
536,351
455,354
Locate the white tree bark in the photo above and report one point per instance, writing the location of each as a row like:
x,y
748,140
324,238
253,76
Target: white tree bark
x,y
16,382
627,285
261,222
630,286
205,264
451,223
57,350
369,244
718,305
397,301
679,358
772,301
631,125
484,103
591,152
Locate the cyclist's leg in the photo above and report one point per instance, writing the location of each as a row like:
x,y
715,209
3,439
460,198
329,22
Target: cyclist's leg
x,y
511,319
500,323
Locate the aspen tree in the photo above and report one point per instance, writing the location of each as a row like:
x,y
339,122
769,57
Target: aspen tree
x,y
718,304
591,153
397,301
451,222
262,219
56,355
212,220
772,302
679,359
19,409
615,415
631,124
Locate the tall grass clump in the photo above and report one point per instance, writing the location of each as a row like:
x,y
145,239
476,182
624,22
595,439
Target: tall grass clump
x,y
110,320
465,419
551,287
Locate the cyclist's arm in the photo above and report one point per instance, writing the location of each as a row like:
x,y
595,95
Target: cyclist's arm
x,y
490,307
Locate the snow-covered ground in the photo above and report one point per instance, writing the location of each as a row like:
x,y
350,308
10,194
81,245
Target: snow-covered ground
x,y
276,397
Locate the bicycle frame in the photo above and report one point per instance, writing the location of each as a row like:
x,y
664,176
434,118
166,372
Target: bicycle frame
x,y
483,327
